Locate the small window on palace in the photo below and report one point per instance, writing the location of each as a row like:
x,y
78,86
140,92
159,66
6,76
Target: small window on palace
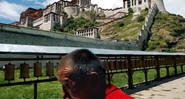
x,y
46,18
140,2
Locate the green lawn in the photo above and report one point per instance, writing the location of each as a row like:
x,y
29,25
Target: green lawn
x,y
48,90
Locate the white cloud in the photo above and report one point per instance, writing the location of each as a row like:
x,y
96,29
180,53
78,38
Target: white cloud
x,y
44,3
34,1
10,11
108,3
175,6
47,2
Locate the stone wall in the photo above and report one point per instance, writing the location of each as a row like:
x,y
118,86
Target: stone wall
x,y
71,11
26,36
145,32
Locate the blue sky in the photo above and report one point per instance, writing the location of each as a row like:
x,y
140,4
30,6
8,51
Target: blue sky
x,y
10,9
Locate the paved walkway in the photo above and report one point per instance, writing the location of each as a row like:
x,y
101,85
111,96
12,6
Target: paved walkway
x,y
171,88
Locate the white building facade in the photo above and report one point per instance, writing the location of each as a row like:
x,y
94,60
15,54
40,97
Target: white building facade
x,y
52,15
58,12
90,33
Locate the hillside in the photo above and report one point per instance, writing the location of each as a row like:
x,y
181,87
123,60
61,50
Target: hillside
x,y
125,29
167,34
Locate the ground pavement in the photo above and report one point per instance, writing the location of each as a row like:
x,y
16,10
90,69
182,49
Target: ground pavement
x,y
170,88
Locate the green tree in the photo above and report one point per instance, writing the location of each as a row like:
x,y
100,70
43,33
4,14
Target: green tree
x,y
74,24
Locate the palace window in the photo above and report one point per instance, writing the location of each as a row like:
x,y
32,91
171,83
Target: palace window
x,y
135,2
46,18
54,17
140,2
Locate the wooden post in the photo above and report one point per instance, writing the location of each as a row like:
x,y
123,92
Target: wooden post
x,y
130,72
108,63
145,70
35,90
175,65
157,67
181,68
167,71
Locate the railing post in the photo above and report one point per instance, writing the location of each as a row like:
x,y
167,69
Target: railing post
x,y
175,65
182,71
157,67
109,78
130,72
35,90
167,71
145,70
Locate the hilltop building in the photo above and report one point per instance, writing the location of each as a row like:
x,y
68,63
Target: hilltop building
x,y
58,12
27,17
90,33
137,5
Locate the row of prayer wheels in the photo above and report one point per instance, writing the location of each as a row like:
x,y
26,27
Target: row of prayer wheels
x,y
24,70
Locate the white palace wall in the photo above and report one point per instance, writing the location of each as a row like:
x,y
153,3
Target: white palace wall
x,y
71,11
38,22
144,33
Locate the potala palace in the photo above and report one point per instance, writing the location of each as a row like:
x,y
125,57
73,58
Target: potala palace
x,y
58,12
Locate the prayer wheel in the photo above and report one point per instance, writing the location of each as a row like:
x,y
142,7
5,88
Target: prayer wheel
x,y
9,72
122,64
153,63
126,64
138,63
117,63
37,69
106,65
24,70
133,63
49,69
112,66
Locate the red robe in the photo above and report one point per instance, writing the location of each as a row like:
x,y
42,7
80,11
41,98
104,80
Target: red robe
x,y
114,92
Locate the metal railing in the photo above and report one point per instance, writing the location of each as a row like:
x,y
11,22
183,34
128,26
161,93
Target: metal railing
x,y
113,63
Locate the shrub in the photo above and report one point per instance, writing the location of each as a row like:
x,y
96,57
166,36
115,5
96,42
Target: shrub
x,y
130,10
174,34
140,18
120,24
146,9
151,46
58,27
74,24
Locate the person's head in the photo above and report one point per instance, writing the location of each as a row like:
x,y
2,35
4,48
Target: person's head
x,y
82,75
